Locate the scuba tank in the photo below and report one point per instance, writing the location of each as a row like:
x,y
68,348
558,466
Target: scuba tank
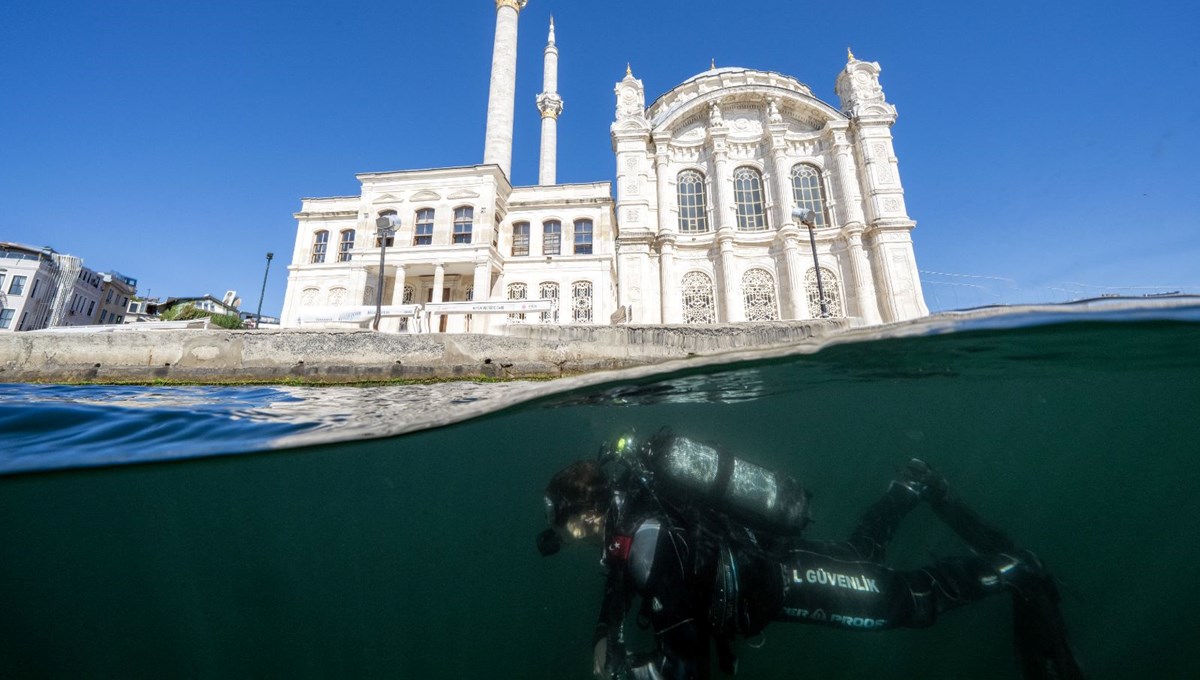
x,y
687,471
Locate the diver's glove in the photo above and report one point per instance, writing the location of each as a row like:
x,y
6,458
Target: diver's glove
x,y
919,478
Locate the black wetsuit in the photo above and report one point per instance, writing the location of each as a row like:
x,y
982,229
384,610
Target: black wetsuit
x,y
704,580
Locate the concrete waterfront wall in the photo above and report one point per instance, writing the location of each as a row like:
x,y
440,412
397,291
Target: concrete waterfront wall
x,y
221,356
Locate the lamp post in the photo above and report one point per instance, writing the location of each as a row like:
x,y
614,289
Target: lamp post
x,y
386,227
261,293
807,217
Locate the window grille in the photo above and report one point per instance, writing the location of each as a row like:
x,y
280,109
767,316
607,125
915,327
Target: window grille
x,y
758,292
408,300
748,196
423,229
833,295
581,302
337,296
583,237
345,245
693,202
808,193
517,291
320,242
464,217
551,237
548,290
698,300
520,244
308,296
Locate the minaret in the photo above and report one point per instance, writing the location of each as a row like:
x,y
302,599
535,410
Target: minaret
x,y
550,104
497,143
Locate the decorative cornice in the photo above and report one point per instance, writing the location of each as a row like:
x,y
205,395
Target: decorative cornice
x,y
518,5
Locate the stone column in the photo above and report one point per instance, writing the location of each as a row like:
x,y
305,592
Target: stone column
x,y
662,180
668,297
864,283
394,324
482,283
847,174
550,105
497,145
797,290
782,172
398,287
358,285
439,282
722,182
732,306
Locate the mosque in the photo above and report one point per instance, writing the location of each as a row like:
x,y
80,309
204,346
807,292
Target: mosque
x,y
740,197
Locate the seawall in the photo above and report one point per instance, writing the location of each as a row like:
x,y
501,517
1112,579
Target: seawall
x,y
341,356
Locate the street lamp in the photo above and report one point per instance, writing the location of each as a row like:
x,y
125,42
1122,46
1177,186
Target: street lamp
x,y
386,227
261,293
807,217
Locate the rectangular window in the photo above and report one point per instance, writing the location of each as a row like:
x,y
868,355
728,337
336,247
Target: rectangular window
x,y
520,239
346,245
6,316
320,243
91,307
34,290
423,231
103,315
24,318
463,219
17,287
583,237
108,298
551,237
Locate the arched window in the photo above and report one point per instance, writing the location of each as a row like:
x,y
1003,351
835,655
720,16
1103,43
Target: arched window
x,y
583,237
758,292
320,243
464,217
808,192
581,302
391,240
833,294
551,237
698,300
345,245
308,296
517,291
548,290
520,243
423,228
748,196
693,203
337,296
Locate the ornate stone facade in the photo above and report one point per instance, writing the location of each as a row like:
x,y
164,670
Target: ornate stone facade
x,y
707,180
701,229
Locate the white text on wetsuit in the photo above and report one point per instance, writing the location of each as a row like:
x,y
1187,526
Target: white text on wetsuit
x,y
828,578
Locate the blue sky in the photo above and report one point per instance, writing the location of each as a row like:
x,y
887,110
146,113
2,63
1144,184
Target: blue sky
x,y
1048,149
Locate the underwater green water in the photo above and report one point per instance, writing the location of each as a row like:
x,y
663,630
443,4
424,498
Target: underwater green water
x,y
414,556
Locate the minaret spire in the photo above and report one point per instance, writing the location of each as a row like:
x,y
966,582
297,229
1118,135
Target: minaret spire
x,y
497,143
550,104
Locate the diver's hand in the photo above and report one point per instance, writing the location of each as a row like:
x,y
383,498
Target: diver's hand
x,y
923,480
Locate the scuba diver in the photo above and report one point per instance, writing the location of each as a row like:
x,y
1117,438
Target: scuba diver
x,y
712,545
